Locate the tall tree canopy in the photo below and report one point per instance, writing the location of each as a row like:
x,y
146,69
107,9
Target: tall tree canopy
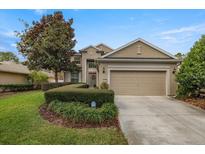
x,y
48,43
191,75
8,56
180,55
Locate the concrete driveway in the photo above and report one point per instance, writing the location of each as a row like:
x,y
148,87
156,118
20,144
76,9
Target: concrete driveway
x,y
160,120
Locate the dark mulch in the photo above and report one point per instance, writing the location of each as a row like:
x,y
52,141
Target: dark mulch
x,y
196,102
57,119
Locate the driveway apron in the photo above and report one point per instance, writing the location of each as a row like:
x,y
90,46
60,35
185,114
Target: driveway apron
x,y
160,120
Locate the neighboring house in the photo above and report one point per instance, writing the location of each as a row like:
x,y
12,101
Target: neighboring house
x,y
137,68
50,75
16,73
13,73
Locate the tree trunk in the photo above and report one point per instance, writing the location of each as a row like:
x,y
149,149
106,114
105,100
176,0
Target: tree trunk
x,y
56,76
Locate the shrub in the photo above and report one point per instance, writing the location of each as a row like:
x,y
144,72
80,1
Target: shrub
x,y
191,75
78,93
104,85
17,87
47,86
79,112
38,77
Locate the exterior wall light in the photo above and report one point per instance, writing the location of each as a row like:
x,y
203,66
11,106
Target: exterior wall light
x,y
103,70
174,70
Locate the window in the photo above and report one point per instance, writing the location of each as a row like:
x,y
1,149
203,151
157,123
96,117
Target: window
x,y
77,59
74,77
92,64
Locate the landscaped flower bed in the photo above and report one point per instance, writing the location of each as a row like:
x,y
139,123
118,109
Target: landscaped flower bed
x,y
196,102
71,106
74,114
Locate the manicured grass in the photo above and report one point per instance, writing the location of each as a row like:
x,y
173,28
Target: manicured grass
x,y
20,123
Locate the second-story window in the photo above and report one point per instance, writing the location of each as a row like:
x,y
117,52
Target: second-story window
x,y
77,59
91,64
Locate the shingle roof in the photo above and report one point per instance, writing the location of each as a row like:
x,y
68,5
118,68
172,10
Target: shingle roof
x,y
12,67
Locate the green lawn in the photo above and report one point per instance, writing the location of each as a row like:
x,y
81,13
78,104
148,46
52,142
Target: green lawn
x,y
20,123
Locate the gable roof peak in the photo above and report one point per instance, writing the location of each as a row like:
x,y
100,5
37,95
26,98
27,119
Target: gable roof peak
x,y
143,41
104,45
90,46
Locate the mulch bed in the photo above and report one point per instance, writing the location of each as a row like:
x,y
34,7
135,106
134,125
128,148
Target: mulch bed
x,y
57,119
196,102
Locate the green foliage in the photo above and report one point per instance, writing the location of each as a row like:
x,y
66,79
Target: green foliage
x,y
180,55
191,75
38,77
104,85
47,86
16,87
21,124
79,93
48,43
8,56
80,112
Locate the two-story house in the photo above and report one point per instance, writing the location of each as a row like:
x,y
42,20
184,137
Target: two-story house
x,y
137,68
87,60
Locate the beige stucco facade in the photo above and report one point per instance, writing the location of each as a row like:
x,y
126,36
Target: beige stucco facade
x,y
139,50
104,48
88,55
139,68
136,68
12,78
168,68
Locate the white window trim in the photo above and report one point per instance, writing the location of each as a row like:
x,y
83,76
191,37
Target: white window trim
x,y
85,75
140,68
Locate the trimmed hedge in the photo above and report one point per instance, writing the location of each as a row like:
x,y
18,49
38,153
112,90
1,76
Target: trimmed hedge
x,y
79,93
82,113
17,87
47,86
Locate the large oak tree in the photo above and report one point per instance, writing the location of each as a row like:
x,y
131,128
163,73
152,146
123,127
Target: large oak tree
x,y
48,44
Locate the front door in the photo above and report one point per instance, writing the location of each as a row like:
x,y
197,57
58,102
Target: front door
x,y
92,79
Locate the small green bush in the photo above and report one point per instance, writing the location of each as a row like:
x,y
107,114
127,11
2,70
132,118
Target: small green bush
x,y
80,112
79,93
38,77
48,86
104,85
17,87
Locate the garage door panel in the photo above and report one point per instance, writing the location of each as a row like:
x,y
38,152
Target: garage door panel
x,y
139,83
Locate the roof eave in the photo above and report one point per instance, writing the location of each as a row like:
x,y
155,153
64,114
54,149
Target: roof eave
x,y
25,73
104,45
142,40
139,60
90,46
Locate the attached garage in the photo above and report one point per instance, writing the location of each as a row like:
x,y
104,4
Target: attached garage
x,y
139,68
138,83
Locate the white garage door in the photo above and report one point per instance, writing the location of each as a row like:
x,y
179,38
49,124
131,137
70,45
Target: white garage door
x,y
138,83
